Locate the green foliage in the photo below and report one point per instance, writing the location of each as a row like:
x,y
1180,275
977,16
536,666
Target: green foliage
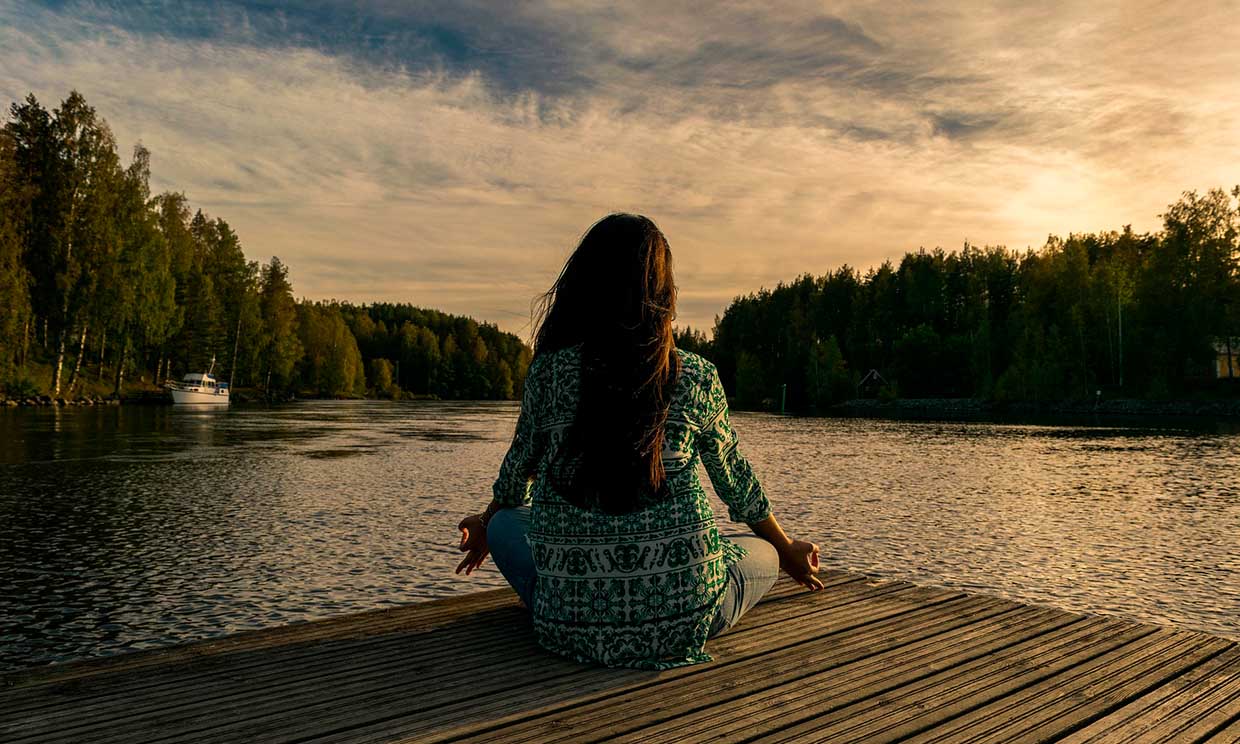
x,y
829,379
381,381
751,388
440,355
917,360
14,278
91,265
20,388
137,296
1135,314
331,364
67,164
692,340
281,346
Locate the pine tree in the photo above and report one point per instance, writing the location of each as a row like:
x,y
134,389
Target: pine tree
x,y
281,347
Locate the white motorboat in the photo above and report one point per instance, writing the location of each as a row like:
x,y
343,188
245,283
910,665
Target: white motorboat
x,y
200,388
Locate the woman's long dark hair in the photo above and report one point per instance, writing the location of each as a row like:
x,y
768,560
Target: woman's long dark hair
x,y
616,297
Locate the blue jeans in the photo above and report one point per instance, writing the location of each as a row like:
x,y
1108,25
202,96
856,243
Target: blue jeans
x,y
748,579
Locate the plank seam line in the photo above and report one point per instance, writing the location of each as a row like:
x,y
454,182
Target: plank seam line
x,y
981,615
1125,667
981,619
1136,696
77,676
440,613
1223,725
1030,683
1075,620
999,613
316,658
468,735
245,639
568,673
703,669
908,675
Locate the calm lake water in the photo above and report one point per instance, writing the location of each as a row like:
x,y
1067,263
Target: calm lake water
x,y
126,528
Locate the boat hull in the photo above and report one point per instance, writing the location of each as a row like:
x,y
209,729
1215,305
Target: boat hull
x,y
194,397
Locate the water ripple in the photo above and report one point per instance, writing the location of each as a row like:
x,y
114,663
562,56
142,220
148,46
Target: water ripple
x,y
132,528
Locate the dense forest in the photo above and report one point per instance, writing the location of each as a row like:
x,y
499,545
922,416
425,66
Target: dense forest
x,y
1130,315
101,280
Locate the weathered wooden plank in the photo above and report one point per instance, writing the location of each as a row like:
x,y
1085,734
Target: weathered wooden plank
x,y
430,656
607,719
244,700
263,666
865,660
276,666
946,694
470,645
422,615
744,642
374,638
359,676
1209,691
375,633
1214,716
1228,733
1051,716
160,669
393,700
807,683
1021,709
445,724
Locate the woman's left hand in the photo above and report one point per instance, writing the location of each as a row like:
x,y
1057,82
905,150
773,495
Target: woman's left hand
x,y
799,559
473,543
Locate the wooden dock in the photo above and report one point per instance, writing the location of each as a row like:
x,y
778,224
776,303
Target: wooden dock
x,y
862,661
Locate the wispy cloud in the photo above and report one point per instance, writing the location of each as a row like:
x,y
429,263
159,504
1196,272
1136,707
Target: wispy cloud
x,y
451,154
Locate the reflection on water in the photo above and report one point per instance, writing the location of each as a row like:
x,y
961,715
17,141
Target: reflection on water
x,y
137,527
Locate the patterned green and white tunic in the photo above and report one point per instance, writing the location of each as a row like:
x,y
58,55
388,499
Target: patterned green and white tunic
x,y
638,590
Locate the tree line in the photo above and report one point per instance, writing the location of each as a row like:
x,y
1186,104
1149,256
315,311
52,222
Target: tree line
x,y
1122,313
97,274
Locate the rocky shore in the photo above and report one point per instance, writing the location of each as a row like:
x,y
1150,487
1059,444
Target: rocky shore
x,y
138,397
35,401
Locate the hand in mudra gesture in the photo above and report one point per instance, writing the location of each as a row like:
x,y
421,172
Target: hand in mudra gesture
x,y
800,561
473,543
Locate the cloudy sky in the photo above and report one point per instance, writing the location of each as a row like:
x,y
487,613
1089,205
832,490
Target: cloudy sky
x,y
451,154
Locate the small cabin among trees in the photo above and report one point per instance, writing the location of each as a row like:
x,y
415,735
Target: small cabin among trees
x,y
871,385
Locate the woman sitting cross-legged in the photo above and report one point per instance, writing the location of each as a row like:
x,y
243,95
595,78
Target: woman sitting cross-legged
x,y
599,521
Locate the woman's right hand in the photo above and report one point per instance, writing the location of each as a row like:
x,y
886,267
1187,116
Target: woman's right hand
x,y
799,559
473,543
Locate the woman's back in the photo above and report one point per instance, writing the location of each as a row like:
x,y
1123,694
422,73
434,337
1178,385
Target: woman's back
x,y
639,589
598,520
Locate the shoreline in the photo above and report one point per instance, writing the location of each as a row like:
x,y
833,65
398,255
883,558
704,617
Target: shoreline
x,y
161,398
902,408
